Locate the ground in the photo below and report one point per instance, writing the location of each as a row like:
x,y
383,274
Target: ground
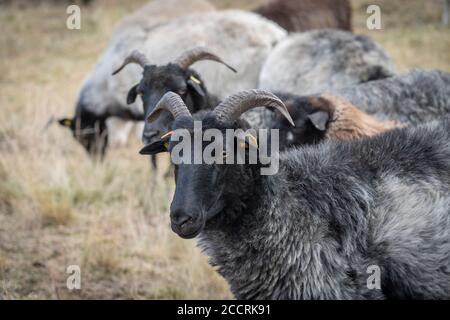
x,y
59,208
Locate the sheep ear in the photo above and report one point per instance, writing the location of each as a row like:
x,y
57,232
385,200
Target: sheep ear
x,y
158,146
154,148
195,85
66,122
247,140
197,92
132,94
319,120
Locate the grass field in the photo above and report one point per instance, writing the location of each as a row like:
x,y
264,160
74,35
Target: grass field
x,y
59,208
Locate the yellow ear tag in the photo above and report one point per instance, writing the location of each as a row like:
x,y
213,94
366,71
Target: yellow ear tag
x,y
195,80
166,136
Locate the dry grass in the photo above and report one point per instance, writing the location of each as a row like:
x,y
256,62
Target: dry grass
x,y
58,208
411,32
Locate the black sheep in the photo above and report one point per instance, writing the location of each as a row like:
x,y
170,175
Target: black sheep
x,y
331,213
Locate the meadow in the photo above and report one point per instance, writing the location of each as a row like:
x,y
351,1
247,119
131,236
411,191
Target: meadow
x,y
60,208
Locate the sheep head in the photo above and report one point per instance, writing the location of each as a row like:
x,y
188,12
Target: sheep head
x,y
311,114
89,130
208,191
177,77
325,117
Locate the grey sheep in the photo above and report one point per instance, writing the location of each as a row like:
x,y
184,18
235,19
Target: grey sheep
x,y
331,213
413,97
366,109
320,60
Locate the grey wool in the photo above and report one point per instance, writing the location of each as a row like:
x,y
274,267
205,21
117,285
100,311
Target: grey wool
x,y
413,97
334,209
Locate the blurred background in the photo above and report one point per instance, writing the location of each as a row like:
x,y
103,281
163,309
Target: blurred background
x,y
114,224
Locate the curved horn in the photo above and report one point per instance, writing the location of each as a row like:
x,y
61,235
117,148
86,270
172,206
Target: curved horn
x,y
134,57
189,57
232,107
170,102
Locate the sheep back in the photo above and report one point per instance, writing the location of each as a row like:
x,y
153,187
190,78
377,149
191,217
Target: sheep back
x,y
323,60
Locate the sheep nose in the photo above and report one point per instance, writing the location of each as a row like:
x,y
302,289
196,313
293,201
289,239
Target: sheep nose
x,y
181,219
150,136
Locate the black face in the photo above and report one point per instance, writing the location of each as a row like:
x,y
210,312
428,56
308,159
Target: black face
x,y
90,131
158,80
311,116
196,199
202,190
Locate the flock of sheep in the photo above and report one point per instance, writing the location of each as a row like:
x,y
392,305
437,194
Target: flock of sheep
x,y
364,177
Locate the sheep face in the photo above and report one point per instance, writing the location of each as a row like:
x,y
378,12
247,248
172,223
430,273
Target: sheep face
x,y
89,130
175,77
156,81
204,190
197,198
311,116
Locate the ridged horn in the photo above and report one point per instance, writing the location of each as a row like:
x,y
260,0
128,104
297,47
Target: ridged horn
x,y
235,105
189,57
170,102
134,57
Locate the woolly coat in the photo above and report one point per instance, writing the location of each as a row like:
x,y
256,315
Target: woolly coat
x,y
335,210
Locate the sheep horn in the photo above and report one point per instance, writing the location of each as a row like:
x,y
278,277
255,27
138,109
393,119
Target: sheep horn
x,y
189,57
232,107
134,57
170,102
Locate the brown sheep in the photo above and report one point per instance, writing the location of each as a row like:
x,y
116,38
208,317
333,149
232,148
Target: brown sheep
x,y
302,15
327,117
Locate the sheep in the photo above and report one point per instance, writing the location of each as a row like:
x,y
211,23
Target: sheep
x,y
322,60
303,15
413,97
366,109
324,117
97,102
240,38
331,213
